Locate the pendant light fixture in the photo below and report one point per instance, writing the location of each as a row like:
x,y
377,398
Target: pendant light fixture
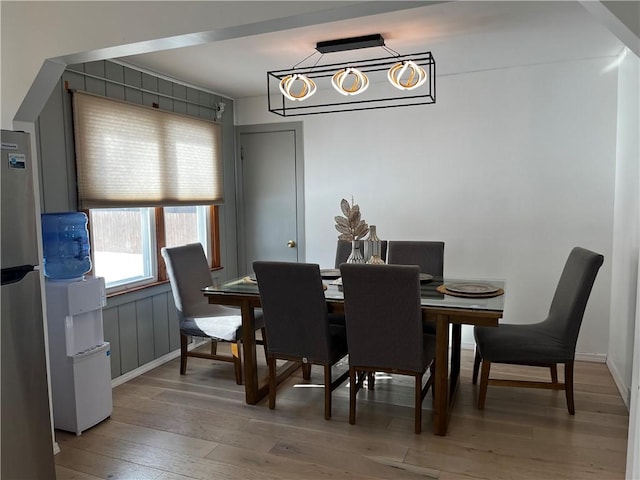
x,y
412,76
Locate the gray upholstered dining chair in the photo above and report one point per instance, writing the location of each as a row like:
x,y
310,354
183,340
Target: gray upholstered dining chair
x,y
429,256
188,272
343,250
297,323
545,343
384,328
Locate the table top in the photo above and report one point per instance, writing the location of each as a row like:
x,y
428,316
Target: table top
x,y
430,297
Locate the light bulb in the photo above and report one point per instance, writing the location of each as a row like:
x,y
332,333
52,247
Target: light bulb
x,y
307,89
416,75
359,85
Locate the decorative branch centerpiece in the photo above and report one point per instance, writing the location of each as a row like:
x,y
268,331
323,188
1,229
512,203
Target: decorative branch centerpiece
x,y
352,228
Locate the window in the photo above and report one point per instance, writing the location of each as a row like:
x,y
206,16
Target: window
x,y
126,242
184,225
122,245
148,179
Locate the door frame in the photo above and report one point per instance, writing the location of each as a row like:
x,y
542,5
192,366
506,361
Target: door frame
x,y
296,127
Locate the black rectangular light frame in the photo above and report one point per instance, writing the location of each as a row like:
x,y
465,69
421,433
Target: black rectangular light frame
x,y
351,43
424,95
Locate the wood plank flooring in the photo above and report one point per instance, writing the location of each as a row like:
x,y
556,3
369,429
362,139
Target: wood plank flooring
x,y
166,426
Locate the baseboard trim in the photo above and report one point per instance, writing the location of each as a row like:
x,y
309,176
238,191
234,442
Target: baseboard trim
x,y
591,357
625,393
151,365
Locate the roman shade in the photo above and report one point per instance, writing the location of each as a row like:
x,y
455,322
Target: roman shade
x,y
130,155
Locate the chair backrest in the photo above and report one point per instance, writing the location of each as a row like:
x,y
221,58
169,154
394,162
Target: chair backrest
x,y
429,256
571,295
343,250
383,316
294,309
189,272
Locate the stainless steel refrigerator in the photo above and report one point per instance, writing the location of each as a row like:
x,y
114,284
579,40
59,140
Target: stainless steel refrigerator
x,y
27,445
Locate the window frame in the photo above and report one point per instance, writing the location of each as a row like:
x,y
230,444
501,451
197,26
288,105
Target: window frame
x,y
212,250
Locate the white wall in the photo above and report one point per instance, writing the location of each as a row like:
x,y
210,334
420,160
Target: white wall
x,y
624,352
511,168
626,243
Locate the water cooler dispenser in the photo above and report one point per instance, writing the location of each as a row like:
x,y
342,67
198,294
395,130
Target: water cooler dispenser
x,y
79,356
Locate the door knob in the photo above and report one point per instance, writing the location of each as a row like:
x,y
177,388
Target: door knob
x,y
291,244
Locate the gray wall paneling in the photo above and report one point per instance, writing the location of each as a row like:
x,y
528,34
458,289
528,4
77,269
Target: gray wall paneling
x,y
150,83
128,329
166,88
144,322
116,73
133,78
95,85
112,335
50,129
161,325
180,91
141,326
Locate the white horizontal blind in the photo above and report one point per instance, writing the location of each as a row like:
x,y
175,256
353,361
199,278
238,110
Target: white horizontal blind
x,y
131,155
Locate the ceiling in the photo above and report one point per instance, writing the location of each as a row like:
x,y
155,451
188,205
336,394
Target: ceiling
x,y
464,36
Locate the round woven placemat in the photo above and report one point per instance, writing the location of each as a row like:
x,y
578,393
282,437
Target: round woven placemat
x,y
443,289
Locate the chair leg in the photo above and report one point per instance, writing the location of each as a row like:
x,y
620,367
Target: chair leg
x,y
568,386
327,392
272,382
214,347
183,353
554,373
371,381
237,361
306,371
484,383
476,366
353,389
418,404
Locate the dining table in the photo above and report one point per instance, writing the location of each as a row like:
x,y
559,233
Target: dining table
x,y
447,310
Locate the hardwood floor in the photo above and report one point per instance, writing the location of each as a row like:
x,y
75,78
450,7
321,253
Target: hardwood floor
x,y
168,427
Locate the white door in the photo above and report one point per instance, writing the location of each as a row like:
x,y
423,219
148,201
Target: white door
x,y
271,205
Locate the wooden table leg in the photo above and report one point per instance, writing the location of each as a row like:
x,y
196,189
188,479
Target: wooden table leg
x,y
454,376
251,387
441,401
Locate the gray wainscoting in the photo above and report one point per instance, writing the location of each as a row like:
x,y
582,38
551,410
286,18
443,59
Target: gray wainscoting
x,y
141,325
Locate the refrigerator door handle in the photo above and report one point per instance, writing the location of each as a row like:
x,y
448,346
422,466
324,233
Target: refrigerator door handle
x,y
15,274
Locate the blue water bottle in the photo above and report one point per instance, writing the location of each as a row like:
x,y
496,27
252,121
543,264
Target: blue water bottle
x,y
65,240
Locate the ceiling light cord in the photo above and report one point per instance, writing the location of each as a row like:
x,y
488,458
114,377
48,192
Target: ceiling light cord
x,y
391,51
